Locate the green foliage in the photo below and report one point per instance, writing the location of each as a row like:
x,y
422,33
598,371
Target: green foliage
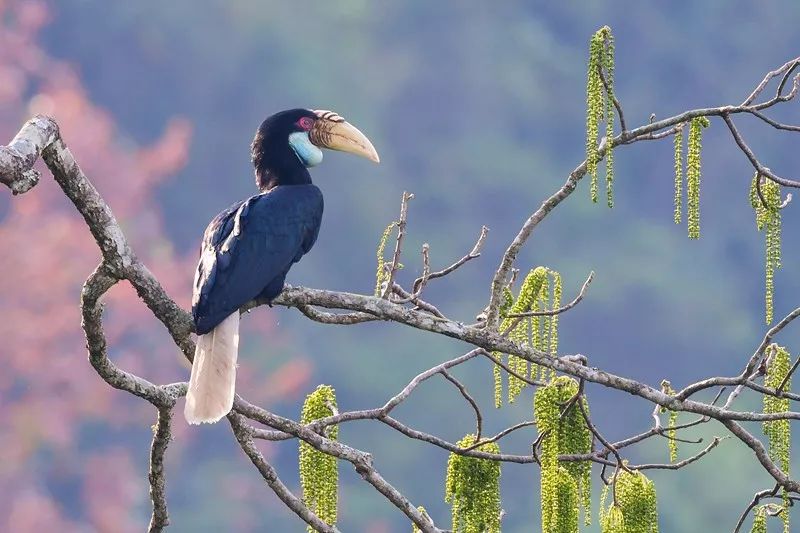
x,y
473,489
381,276
759,520
566,487
693,175
768,220
319,472
678,144
600,105
538,332
778,432
634,508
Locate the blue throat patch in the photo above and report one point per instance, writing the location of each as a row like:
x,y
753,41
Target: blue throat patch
x,y
304,149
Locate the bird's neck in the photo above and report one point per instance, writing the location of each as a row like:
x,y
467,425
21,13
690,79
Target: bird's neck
x,y
286,170
270,179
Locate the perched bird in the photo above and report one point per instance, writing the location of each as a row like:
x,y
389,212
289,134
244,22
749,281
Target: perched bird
x,y
248,248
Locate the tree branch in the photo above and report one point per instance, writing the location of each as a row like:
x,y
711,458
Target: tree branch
x,y
40,137
162,434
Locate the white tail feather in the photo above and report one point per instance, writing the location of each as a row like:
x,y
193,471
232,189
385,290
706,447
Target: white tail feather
x,y
213,381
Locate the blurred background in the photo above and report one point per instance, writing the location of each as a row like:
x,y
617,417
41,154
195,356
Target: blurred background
x,y
478,110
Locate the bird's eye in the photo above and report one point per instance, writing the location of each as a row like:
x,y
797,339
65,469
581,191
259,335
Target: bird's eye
x,y
306,123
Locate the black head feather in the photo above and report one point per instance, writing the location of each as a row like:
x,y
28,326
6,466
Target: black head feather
x,y
274,160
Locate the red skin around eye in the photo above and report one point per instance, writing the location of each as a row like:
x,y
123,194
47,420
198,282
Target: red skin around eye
x,y
305,123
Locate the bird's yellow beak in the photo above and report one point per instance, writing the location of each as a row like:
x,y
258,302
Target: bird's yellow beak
x,y
335,133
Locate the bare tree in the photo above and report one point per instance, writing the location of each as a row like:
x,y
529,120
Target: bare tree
x,y
40,137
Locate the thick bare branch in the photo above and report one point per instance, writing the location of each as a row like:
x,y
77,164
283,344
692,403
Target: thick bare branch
x,y
361,461
270,475
162,434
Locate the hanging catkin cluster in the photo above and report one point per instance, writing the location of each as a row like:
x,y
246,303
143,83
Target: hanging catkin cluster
x,y
768,220
672,441
600,106
319,473
759,520
693,175
633,509
381,276
778,432
694,147
473,489
566,487
541,291
678,143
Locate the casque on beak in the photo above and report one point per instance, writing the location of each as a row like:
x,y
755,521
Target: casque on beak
x,y
335,133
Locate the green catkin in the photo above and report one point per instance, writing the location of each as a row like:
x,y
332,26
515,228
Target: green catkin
x,y
678,173
541,290
600,105
603,497
507,302
672,441
319,472
532,285
768,220
565,487
536,336
424,513
759,520
520,334
566,503
537,323
544,298
594,109
473,490
778,432
381,275
608,66
634,509
696,126
505,307
497,372
557,293
671,433
613,520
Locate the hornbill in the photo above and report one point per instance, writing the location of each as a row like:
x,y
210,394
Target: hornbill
x,y
248,248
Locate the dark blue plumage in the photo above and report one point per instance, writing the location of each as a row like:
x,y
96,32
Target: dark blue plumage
x,y
248,249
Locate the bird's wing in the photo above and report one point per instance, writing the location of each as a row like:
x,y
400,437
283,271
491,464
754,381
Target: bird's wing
x,y
251,244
